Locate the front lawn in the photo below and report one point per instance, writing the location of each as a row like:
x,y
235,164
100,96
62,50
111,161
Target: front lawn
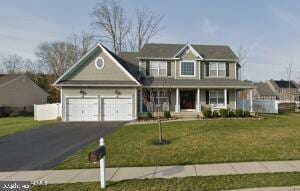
x,y
189,183
12,125
195,142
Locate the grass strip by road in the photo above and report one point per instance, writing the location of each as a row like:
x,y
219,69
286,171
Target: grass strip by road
x,y
189,183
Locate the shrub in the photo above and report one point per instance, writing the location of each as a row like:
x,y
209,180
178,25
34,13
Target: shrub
x,y
215,114
247,114
206,112
239,113
167,114
223,113
149,115
231,113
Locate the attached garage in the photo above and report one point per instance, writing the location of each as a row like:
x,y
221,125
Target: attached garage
x,y
82,109
117,109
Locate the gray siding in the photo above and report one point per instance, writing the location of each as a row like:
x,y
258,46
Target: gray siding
x,y
22,93
110,71
96,91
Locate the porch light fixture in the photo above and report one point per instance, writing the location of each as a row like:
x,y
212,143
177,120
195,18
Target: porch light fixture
x,y
117,92
82,92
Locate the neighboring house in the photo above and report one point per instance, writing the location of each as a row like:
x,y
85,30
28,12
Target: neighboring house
x,y
102,86
285,90
18,93
263,91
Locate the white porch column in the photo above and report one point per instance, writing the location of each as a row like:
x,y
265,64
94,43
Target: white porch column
x,y
141,100
177,106
235,98
198,106
251,101
225,98
135,104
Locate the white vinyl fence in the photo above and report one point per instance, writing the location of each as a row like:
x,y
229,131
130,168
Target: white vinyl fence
x,y
262,106
47,111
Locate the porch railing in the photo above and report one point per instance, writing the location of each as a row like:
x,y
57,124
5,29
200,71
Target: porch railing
x,y
152,106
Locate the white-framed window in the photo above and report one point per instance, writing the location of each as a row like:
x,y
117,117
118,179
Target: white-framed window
x,y
99,63
216,97
187,68
159,96
158,68
217,69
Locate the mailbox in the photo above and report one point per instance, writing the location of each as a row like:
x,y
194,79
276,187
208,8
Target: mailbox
x,y
97,154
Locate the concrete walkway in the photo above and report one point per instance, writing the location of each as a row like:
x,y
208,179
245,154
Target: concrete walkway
x,y
124,173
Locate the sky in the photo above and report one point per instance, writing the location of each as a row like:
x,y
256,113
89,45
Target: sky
x,y
268,29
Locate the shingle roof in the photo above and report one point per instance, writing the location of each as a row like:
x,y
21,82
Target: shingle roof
x,y
97,82
156,50
285,84
4,78
264,89
212,82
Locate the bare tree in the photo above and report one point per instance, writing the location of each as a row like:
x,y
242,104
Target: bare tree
x,y
243,54
82,42
110,18
13,64
288,72
57,56
148,25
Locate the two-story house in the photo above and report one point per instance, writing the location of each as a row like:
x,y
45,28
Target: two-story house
x,y
284,89
103,86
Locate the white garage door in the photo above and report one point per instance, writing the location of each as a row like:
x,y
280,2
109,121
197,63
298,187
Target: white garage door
x,y
82,109
117,109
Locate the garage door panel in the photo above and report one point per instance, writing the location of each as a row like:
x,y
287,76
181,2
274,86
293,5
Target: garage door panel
x,y
117,109
82,109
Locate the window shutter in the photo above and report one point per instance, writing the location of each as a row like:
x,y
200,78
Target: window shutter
x,y
147,68
207,97
227,69
169,68
207,69
227,97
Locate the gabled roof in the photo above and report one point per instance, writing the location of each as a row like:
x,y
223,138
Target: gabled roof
x,y
264,89
7,78
124,65
208,52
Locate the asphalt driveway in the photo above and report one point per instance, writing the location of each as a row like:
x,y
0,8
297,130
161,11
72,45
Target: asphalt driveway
x,y
45,147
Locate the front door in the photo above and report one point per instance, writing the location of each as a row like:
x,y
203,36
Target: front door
x,y
187,100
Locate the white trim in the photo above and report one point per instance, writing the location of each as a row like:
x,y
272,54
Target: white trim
x,y
191,48
199,64
211,87
99,58
194,68
177,105
225,97
61,105
159,63
209,91
109,55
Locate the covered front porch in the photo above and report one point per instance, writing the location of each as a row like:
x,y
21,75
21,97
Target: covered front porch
x,y
187,99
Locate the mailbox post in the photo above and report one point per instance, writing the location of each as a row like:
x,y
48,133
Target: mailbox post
x,y
102,163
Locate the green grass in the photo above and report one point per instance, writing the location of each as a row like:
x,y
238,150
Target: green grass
x,y
194,142
189,183
12,125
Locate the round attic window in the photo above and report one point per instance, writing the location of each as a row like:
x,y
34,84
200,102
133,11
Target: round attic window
x,y
99,63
